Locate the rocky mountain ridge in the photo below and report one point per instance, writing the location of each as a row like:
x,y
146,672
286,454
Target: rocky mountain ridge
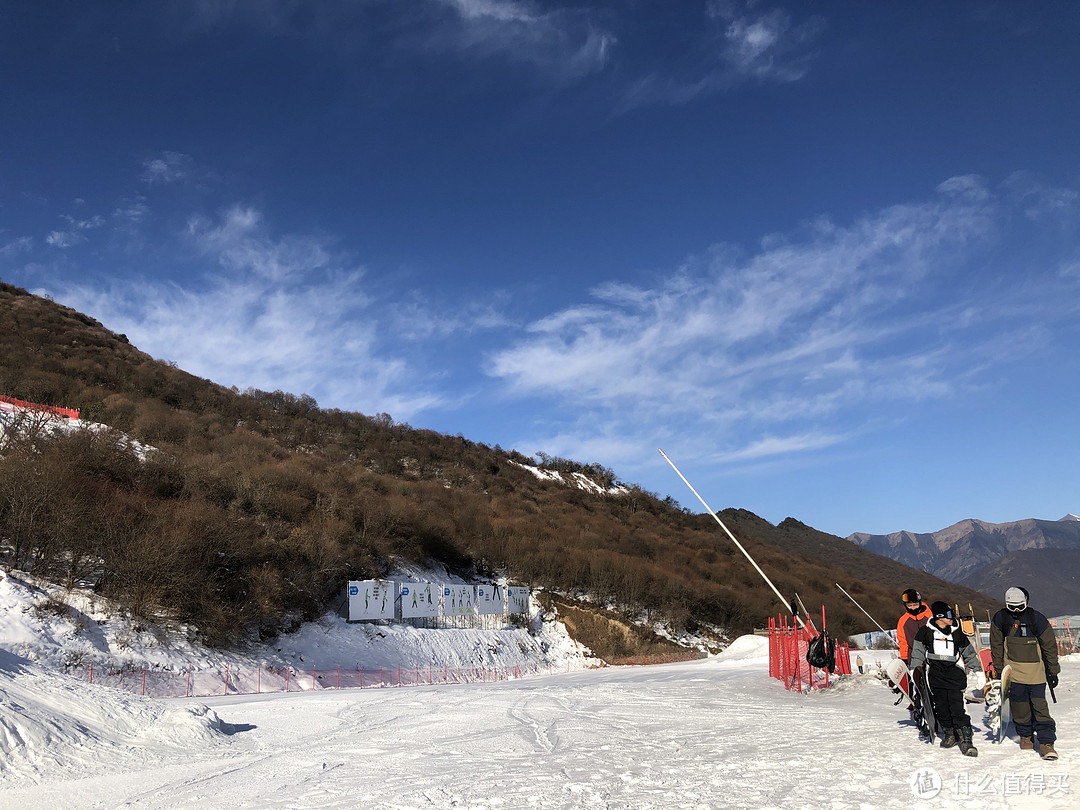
x,y
1040,555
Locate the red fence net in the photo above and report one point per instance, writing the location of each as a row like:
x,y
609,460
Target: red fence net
x,y
230,680
66,413
787,657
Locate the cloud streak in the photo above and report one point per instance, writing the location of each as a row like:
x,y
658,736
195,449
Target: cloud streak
x,y
271,312
765,45
740,43
560,42
771,353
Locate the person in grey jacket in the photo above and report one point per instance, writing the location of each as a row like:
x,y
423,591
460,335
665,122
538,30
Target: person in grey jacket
x,y
946,653
1023,639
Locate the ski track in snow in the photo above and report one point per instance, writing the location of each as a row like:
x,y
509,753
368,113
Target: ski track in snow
x,y
707,734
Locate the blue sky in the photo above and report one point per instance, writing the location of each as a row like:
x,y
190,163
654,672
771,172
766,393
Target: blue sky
x,y
825,255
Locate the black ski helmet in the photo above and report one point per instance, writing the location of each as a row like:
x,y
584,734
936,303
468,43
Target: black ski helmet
x,y
942,610
910,595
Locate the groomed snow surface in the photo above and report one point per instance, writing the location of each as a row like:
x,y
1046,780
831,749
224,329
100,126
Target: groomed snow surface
x,y
711,733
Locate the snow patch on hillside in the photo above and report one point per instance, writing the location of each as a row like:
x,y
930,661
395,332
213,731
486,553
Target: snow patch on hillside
x,y
574,479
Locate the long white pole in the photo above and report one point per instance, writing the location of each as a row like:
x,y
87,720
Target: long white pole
x,y
871,618
739,545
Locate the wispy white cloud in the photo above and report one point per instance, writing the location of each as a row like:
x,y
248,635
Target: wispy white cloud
x,y
782,351
62,239
169,168
241,244
563,42
75,233
269,312
15,247
131,213
779,446
740,41
166,168
764,44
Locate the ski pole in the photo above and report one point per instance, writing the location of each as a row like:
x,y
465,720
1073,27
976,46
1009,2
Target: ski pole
x,y
871,618
733,540
1048,686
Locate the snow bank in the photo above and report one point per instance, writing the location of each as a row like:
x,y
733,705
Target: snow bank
x,y
745,647
51,723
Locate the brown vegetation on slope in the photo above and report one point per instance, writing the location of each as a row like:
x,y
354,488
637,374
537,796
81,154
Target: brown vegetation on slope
x,y
257,507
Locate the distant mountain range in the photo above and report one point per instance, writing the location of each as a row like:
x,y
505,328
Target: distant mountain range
x,y
1042,556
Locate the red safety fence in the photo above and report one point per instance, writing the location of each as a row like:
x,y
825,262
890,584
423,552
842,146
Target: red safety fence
x,y
787,656
67,413
232,680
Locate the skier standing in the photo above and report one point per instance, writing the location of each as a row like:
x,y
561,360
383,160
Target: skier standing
x,y
916,615
1023,639
946,653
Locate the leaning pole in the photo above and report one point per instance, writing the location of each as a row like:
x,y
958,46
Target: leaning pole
x,y
734,540
871,618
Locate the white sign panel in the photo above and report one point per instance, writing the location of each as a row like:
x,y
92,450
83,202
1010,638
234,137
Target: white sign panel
x,y
371,599
419,600
517,599
490,600
459,600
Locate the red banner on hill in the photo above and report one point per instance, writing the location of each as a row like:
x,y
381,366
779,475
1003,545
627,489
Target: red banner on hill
x,y
63,413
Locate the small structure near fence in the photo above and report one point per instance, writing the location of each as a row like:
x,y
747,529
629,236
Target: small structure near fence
x,y
788,645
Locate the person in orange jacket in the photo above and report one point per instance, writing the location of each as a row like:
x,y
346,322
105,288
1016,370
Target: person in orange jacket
x,y
916,614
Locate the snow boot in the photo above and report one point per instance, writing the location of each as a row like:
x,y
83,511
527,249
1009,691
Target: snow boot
x,y
1046,751
950,739
966,747
1027,743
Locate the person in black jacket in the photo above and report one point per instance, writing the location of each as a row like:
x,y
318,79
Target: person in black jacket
x,y
947,653
1022,638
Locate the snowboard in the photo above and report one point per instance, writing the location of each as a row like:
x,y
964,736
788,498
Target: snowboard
x,y
998,709
929,722
897,673
901,679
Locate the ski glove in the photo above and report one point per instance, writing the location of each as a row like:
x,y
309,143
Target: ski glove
x,y
1051,680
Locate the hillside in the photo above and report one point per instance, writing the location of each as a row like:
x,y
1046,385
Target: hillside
x,y
854,563
1051,575
1041,555
253,508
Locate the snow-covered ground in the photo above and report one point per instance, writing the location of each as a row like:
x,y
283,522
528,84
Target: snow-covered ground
x,y
712,733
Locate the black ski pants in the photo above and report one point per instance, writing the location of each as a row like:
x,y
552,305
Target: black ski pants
x,y
949,708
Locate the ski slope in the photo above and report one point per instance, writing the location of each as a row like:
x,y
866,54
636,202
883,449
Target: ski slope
x,y
704,734
712,733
